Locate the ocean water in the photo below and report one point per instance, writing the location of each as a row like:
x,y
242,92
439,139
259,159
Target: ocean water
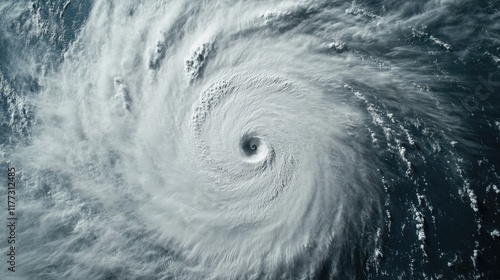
x,y
250,139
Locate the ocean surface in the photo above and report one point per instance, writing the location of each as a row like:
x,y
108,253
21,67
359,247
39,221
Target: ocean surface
x,y
250,139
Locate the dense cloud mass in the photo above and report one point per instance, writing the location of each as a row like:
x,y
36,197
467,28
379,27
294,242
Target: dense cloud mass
x,y
252,139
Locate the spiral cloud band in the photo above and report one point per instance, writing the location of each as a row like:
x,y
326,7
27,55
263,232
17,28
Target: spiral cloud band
x,y
235,140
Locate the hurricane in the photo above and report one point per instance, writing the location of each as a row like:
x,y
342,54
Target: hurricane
x,y
251,139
